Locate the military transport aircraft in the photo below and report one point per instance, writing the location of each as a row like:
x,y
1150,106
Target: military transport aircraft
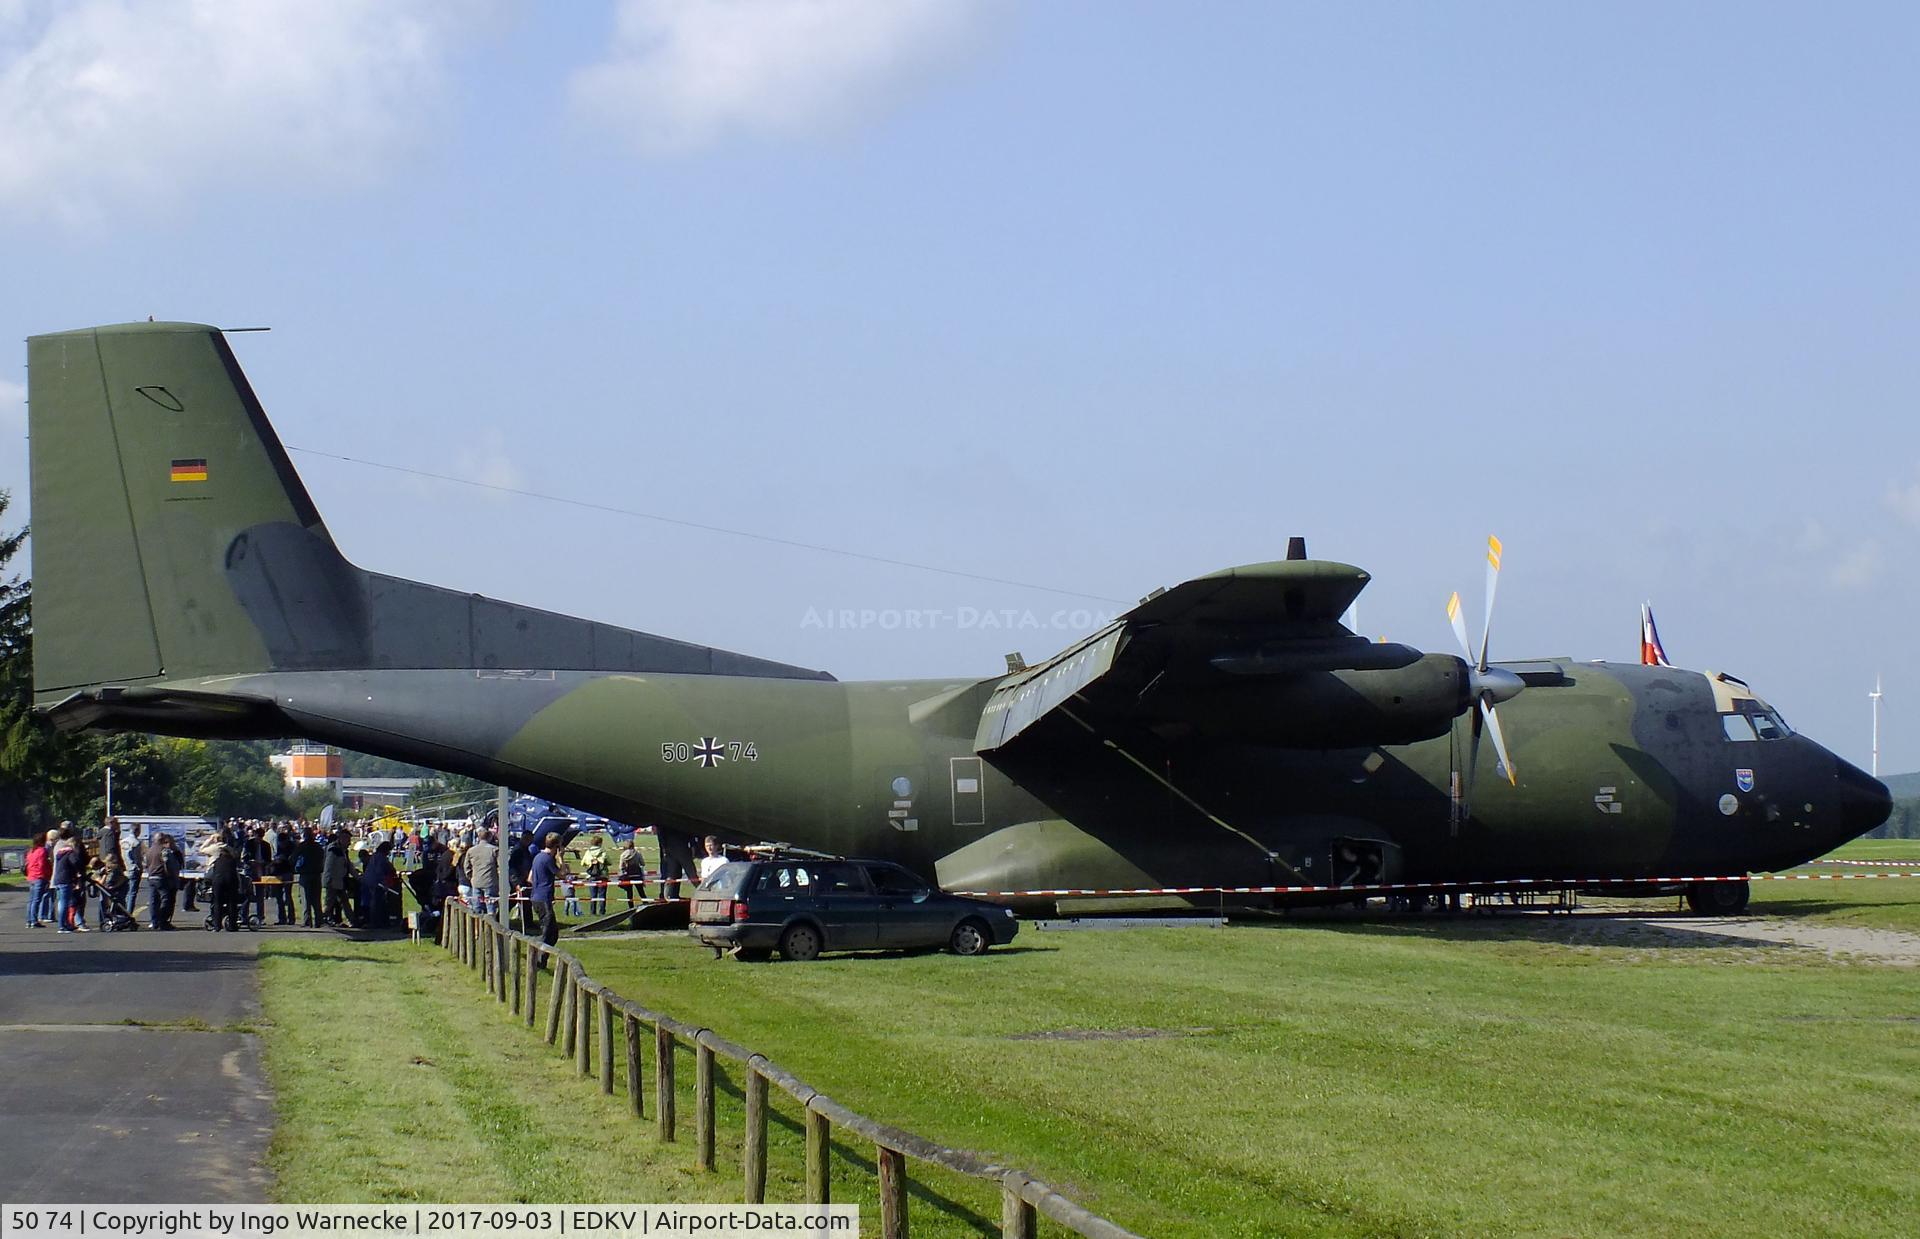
x,y
1225,733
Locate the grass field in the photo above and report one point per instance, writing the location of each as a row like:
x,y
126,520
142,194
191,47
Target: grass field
x,y
398,1080
1316,1077
1508,1075
1873,902
1384,1078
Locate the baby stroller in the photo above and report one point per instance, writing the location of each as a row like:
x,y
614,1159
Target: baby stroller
x,y
113,914
247,915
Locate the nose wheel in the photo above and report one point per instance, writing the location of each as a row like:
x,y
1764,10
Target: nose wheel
x,y
1719,898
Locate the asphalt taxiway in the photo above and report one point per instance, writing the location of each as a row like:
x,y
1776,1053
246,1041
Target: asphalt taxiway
x,y
131,1073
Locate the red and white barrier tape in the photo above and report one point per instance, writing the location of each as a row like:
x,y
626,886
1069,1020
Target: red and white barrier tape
x,y
1393,887
1871,864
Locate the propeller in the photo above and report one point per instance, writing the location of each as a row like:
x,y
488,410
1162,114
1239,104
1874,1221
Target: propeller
x,y
1487,686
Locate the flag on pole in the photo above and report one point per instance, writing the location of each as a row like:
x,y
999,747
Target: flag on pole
x,y
1652,653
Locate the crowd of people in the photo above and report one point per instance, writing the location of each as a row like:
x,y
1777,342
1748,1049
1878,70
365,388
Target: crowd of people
x,y
341,875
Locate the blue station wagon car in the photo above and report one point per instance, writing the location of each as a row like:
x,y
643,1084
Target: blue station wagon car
x,y
803,906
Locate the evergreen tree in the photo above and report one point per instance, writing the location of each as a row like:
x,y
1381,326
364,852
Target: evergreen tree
x,y
43,773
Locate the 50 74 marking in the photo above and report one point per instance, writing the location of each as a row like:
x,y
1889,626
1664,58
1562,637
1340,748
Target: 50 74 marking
x,y
708,751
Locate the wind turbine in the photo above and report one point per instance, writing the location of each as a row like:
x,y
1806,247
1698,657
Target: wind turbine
x,y
1874,697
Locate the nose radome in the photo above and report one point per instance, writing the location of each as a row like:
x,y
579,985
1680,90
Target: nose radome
x,y
1864,800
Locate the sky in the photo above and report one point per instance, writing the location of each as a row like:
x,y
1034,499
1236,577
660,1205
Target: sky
x,y
1060,302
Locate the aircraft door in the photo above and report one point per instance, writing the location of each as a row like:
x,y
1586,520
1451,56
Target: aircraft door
x,y
967,776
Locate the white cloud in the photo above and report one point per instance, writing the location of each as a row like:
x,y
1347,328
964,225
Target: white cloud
x,y
1905,500
684,73
487,461
1858,567
108,103
1812,538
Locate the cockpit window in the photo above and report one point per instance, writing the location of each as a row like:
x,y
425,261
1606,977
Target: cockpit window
x,y
1767,723
1753,719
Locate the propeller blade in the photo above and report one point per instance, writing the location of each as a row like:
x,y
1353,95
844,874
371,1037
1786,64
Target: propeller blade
x,y
1459,624
1493,583
1499,741
1473,764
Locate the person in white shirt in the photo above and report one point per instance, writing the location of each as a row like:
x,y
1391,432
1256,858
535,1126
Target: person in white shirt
x,y
712,860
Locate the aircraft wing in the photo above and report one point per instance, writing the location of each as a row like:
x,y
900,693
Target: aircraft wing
x,y
1255,653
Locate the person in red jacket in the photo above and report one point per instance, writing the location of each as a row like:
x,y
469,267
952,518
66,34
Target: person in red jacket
x,y
38,868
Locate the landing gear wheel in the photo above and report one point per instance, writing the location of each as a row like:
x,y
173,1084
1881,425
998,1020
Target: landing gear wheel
x,y
800,943
969,938
1719,898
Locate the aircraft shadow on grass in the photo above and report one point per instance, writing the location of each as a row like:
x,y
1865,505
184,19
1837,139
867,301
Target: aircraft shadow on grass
x,y
1587,929
1810,907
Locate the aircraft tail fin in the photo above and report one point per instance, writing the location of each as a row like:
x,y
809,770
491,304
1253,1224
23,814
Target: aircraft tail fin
x,y
156,479
173,541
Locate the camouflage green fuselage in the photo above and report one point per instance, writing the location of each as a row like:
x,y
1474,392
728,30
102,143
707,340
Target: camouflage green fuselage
x,y
1622,774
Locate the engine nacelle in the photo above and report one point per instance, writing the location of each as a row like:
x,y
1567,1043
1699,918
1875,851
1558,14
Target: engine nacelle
x,y
1329,708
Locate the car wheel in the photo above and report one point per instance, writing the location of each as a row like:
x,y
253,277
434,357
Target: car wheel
x,y
970,937
800,943
1719,898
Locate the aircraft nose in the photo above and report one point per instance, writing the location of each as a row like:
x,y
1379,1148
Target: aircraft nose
x,y
1864,800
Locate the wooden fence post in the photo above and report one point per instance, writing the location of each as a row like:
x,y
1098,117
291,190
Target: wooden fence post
x,y
663,1081
636,1092
584,1061
893,1192
1018,1219
819,1174
703,1104
570,1036
518,952
605,1009
555,1003
533,986
753,1157
503,965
